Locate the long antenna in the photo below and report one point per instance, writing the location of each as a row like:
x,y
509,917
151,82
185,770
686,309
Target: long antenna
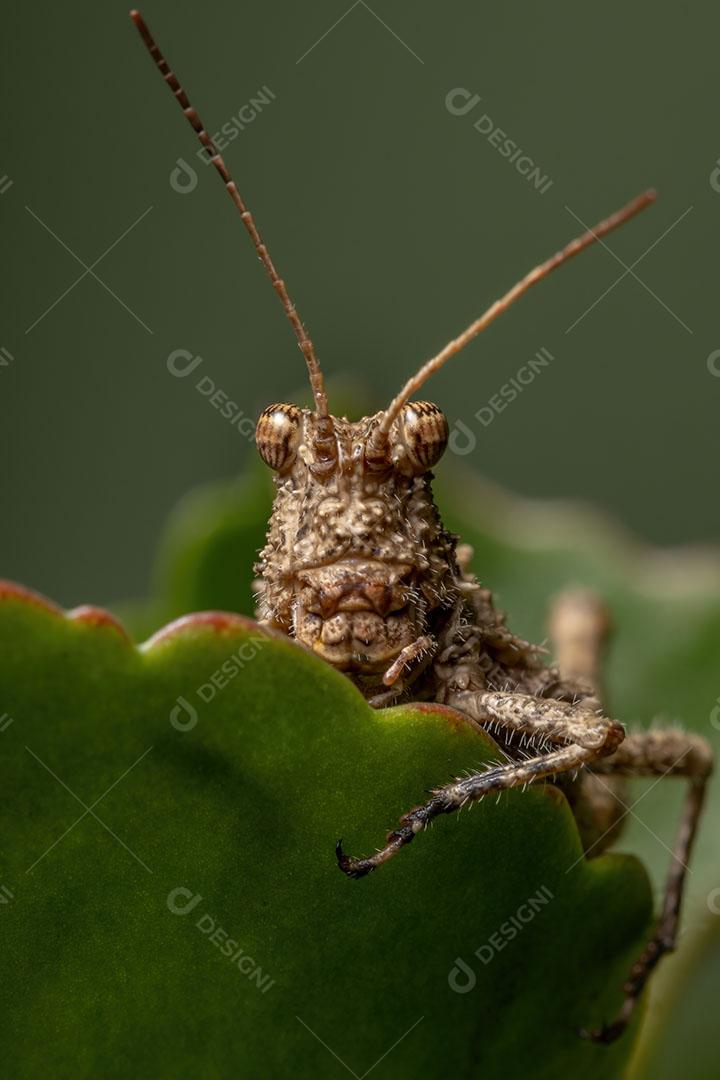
x,y
501,305
313,366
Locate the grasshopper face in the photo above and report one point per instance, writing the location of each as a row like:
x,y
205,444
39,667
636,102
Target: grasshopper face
x,y
357,564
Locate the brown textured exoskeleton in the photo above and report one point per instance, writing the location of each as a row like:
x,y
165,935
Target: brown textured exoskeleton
x,y
359,568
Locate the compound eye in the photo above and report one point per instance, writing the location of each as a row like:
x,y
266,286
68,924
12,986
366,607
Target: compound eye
x,y
277,435
425,433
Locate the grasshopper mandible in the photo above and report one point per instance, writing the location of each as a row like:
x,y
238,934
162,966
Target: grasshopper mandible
x,y
359,568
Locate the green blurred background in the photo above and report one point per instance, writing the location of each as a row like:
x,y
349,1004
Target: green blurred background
x,y
394,223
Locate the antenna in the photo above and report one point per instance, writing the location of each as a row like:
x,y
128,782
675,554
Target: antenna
x,y
316,379
501,305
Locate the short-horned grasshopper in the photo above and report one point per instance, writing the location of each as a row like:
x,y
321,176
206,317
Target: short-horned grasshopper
x,y
359,568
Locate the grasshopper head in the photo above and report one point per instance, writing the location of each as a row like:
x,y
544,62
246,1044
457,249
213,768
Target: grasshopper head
x,y
357,564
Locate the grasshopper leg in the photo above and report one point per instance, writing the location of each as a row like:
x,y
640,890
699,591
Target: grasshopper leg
x,y
578,626
659,754
579,736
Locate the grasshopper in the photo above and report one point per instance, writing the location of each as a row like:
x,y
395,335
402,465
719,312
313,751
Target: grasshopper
x,y
359,568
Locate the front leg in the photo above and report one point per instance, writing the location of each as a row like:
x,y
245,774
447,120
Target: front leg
x,y
420,649
397,678
581,736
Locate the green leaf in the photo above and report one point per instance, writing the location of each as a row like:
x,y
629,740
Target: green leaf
x,y
213,769
665,605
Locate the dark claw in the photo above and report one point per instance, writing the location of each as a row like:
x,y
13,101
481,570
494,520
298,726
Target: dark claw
x,y
605,1034
354,868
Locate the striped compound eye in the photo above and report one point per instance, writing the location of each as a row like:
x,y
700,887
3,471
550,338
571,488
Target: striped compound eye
x,y
425,434
277,435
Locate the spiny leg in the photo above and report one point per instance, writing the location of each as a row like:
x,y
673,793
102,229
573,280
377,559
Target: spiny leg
x,y
578,626
579,623
660,753
582,736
